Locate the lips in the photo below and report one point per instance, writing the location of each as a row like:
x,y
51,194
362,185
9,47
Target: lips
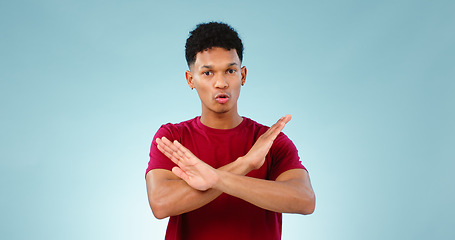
x,y
222,98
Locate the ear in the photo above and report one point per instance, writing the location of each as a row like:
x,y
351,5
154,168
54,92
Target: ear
x,y
243,72
189,79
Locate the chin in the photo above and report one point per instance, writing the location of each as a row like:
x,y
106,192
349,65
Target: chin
x,y
221,109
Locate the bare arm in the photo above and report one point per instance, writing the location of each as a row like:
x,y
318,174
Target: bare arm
x,y
169,195
290,193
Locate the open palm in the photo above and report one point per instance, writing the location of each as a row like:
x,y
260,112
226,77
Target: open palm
x,y
191,169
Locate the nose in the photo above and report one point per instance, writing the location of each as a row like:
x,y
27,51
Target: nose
x,y
220,82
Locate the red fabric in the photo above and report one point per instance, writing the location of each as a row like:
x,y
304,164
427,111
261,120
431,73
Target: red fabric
x,y
226,217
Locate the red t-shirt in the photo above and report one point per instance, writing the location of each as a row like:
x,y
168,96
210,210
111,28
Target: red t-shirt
x,y
226,217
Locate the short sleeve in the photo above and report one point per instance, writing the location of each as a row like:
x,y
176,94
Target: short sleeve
x,y
157,159
284,156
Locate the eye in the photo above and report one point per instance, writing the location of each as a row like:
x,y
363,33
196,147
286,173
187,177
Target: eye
x,y
207,73
231,71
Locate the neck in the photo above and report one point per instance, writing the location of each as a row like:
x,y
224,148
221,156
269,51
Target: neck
x,y
221,120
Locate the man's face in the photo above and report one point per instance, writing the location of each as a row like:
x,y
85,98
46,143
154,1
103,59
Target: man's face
x,y
217,76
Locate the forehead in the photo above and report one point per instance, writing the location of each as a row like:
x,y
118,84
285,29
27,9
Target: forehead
x,y
216,57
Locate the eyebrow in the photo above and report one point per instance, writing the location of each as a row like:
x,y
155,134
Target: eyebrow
x,y
210,66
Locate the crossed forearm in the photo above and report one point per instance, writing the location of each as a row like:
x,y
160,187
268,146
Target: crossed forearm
x,y
174,196
195,183
290,193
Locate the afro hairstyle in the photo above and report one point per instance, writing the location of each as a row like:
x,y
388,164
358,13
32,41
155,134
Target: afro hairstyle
x,y
212,34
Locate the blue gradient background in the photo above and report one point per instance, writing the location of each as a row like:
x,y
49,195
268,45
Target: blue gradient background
x,y
86,84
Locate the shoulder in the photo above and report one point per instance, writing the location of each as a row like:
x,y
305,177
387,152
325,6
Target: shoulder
x,y
179,126
259,129
255,126
175,129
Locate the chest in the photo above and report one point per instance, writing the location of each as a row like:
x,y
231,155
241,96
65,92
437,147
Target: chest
x,y
218,150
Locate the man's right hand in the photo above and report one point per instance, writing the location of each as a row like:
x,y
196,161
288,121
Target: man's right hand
x,y
256,156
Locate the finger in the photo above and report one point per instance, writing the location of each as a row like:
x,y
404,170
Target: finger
x,y
271,129
162,147
180,173
173,150
165,146
283,120
168,155
168,143
161,144
182,159
279,123
287,118
187,153
276,128
180,151
275,131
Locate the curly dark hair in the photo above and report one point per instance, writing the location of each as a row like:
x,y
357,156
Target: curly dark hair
x,y
212,34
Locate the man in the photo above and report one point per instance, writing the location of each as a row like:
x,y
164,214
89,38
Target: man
x,y
220,175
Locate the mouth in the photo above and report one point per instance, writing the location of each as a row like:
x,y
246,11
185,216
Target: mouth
x,y
222,98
